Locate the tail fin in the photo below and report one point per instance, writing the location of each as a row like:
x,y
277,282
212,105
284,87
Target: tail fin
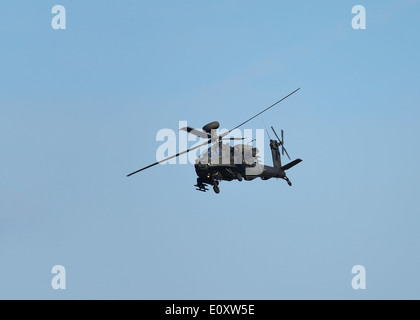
x,y
274,146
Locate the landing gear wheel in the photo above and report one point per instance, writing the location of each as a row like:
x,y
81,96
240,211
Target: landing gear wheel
x,y
216,189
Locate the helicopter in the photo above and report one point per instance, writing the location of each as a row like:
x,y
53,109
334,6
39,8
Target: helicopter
x,y
222,162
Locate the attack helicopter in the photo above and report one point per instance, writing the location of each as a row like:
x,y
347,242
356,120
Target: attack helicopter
x,y
222,162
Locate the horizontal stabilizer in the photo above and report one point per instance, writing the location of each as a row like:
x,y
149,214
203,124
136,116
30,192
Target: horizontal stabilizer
x,y
291,164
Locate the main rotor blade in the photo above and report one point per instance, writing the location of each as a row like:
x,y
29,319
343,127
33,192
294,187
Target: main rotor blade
x,y
265,109
177,155
266,130
196,132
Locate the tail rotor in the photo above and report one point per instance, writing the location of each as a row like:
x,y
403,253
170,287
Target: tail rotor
x,y
281,142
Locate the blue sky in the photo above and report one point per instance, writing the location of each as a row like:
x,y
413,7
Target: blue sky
x,y
80,108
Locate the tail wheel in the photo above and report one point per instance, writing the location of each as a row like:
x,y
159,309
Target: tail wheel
x,y
216,189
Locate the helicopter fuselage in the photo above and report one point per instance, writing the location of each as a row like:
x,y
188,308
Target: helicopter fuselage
x,y
211,170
